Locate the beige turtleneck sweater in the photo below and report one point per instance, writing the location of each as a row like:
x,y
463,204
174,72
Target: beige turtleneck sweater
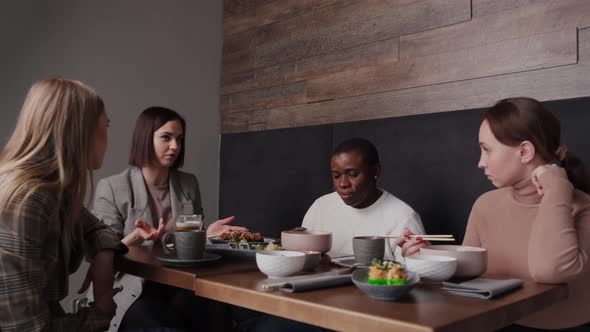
x,y
546,238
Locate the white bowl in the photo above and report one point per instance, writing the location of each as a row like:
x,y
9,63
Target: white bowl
x,y
282,263
434,268
471,261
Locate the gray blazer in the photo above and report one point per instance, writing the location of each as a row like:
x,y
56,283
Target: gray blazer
x,y
123,198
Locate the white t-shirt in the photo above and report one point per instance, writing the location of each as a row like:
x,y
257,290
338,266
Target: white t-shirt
x,y
387,216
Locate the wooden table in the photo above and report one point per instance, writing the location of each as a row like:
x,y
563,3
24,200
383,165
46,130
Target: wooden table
x,y
143,262
346,308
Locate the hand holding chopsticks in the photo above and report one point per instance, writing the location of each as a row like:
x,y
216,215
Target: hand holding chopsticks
x,y
411,243
423,237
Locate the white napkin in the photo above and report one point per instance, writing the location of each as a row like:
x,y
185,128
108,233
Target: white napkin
x,y
482,288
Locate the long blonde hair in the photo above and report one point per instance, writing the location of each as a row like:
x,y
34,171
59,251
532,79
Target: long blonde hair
x,y
51,149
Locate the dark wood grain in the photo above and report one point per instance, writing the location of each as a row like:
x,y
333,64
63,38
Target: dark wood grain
x,y
508,56
143,262
564,82
276,96
268,13
323,64
487,7
342,25
538,18
346,308
235,7
236,122
238,52
381,52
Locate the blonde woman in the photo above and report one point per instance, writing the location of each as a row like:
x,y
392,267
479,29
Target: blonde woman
x,y
59,139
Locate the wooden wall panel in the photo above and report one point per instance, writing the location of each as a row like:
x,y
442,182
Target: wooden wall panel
x,y
545,84
324,61
380,52
268,13
486,7
238,51
345,24
236,122
541,17
354,23
276,96
507,56
235,7
513,55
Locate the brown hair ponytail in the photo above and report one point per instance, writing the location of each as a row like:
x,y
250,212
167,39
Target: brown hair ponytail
x,y
514,120
576,172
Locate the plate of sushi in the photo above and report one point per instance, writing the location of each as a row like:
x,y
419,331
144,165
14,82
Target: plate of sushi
x,y
241,244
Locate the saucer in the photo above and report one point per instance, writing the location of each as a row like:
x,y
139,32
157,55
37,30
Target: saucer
x,y
350,262
171,260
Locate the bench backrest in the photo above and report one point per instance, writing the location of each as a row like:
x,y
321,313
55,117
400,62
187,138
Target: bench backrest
x,y
269,179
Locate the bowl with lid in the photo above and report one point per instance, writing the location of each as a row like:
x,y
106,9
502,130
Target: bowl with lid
x,y
301,239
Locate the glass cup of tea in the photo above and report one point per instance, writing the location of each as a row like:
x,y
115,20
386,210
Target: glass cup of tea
x,y
189,222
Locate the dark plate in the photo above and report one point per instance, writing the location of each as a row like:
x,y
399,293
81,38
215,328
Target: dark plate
x,y
225,250
265,240
351,262
245,245
232,250
172,260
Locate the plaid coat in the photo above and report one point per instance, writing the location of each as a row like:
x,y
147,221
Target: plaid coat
x,y
35,263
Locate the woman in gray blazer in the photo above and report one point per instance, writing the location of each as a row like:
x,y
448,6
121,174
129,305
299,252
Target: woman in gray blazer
x,y
141,203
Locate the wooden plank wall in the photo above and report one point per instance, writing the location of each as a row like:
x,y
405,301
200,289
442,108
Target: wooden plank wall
x,y
289,63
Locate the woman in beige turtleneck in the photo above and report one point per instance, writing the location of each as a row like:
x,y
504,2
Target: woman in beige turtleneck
x,y
537,223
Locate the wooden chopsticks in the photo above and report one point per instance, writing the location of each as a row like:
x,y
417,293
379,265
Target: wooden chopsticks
x,y
427,237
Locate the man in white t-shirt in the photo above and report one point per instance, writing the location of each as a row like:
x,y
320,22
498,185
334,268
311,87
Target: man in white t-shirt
x,y
358,207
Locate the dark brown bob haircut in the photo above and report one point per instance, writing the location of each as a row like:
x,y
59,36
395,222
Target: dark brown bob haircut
x,y
142,145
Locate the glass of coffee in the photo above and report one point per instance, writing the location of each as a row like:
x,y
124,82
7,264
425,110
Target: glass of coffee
x,y
189,222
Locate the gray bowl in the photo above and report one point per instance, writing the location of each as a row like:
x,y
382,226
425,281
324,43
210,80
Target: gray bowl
x,y
383,292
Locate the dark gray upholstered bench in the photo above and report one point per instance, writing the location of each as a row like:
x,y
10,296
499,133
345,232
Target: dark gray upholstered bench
x,y
269,179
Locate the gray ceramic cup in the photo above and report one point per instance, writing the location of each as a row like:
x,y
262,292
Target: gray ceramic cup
x,y
186,245
366,248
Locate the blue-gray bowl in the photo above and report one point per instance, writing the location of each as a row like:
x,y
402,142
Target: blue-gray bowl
x,y
383,292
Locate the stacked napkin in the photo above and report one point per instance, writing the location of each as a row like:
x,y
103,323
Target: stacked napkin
x,y
482,288
307,282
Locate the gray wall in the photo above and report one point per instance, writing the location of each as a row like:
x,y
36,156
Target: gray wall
x,y
136,54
